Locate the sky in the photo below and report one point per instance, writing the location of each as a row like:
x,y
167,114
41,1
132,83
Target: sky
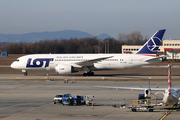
x,y
92,16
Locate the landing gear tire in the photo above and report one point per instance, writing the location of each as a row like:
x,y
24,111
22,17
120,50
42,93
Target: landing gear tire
x,y
92,73
25,74
88,74
134,110
150,110
84,74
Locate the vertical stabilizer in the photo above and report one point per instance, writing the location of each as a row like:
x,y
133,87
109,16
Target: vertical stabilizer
x,y
152,45
169,78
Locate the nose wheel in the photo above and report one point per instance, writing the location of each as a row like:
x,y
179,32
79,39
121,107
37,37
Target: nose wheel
x,y
25,74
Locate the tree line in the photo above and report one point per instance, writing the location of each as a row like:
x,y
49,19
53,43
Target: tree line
x,y
74,45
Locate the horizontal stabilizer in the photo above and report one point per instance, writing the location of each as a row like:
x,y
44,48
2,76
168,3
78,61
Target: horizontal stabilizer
x,y
156,58
152,59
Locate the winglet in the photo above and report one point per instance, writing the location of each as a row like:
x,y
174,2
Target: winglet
x,y
152,45
169,78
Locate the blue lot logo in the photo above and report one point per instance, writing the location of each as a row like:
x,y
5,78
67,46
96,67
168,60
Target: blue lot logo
x,y
39,62
153,44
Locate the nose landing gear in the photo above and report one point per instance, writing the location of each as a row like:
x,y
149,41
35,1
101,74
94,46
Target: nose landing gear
x,y
25,72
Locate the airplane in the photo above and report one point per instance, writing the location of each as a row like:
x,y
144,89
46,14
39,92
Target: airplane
x,y
70,63
171,95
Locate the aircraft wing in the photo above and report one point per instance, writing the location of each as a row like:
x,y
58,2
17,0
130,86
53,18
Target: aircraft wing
x,y
91,62
131,88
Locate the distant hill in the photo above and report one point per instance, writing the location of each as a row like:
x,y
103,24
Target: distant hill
x,y
36,36
103,36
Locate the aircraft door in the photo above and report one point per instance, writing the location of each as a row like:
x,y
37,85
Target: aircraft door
x,y
130,60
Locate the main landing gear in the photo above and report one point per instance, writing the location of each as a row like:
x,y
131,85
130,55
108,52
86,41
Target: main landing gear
x,y
88,74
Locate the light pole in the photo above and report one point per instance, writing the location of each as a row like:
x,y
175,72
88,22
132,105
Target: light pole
x,y
107,47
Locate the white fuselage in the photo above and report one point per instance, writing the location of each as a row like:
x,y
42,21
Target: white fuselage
x,y
116,61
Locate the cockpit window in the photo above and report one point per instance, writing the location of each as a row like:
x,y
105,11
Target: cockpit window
x,y
17,60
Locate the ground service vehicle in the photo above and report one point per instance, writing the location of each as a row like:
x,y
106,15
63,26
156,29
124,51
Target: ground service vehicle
x,y
66,99
88,99
58,98
71,100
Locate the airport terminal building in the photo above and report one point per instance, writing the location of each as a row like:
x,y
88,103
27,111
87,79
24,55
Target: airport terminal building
x,y
168,47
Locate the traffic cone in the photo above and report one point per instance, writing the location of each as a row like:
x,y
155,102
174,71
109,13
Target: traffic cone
x,y
92,106
166,113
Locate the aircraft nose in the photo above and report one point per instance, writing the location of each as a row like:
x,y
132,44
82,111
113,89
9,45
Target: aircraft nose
x,y
13,65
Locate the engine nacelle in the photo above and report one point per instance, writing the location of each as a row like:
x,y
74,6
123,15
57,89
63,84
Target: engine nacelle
x,y
147,93
63,69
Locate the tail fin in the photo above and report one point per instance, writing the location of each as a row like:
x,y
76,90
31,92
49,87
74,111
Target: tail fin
x,y
152,45
169,78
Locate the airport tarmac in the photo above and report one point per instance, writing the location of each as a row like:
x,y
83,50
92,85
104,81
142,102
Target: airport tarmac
x,y
77,77
33,100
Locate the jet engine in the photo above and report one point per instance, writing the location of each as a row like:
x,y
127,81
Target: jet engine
x,y
147,93
63,69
